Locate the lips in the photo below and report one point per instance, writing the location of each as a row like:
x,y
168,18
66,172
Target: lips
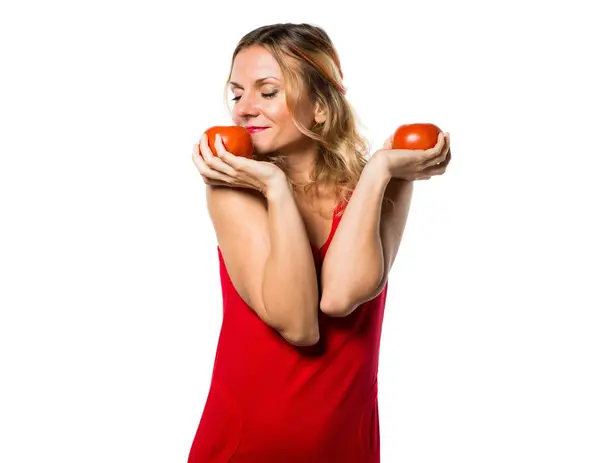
x,y
253,129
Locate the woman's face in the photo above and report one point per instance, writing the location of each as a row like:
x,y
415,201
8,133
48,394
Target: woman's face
x,y
259,101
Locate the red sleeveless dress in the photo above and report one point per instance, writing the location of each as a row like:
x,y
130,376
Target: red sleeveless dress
x,y
271,402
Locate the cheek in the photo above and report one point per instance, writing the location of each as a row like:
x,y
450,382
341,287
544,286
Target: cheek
x,y
278,113
237,120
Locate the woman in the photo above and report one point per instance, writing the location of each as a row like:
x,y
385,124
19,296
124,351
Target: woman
x,y
305,243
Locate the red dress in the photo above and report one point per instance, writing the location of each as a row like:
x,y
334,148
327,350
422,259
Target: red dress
x,y
271,402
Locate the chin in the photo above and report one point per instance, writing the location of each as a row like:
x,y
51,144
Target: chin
x,y
262,152
265,149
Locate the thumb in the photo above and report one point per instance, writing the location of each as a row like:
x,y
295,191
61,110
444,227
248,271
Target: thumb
x,y
388,143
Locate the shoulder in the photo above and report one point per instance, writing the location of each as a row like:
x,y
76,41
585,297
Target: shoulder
x,y
229,202
237,212
233,196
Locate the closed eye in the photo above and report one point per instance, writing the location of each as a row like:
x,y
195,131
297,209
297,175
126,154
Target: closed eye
x,y
264,95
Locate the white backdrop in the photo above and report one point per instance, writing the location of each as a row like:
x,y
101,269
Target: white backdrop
x,y
110,296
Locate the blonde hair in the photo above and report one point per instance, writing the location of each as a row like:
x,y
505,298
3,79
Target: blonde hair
x,y
311,66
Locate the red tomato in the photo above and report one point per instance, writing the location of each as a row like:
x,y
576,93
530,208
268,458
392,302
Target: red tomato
x,y
236,139
416,137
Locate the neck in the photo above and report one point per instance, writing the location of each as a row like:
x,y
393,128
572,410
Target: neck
x,y
301,161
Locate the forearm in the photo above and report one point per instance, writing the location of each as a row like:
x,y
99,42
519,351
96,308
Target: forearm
x,y
290,287
355,264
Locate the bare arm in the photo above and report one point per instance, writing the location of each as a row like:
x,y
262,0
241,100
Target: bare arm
x,y
366,243
268,256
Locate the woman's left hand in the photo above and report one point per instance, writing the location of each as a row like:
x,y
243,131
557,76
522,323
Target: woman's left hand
x,y
416,164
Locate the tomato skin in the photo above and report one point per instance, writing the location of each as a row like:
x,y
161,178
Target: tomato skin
x,y
236,139
421,136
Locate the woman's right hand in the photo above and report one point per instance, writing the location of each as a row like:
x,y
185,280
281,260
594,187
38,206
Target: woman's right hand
x,y
226,169
415,164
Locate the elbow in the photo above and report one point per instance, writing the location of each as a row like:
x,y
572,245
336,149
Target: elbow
x,y
341,299
302,337
336,306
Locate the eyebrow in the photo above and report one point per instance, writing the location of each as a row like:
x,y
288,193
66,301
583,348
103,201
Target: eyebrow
x,y
258,81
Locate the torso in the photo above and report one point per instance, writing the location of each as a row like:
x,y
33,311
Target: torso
x,y
270,401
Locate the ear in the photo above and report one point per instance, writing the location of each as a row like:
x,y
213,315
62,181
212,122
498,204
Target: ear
x,y
319,114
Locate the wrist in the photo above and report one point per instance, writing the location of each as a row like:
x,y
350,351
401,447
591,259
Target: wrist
x,y
390,167
277,187
379,166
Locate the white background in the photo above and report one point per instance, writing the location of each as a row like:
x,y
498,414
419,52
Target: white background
x,y
109,284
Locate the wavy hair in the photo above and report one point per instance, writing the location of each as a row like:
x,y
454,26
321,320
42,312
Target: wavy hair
x,y
311,67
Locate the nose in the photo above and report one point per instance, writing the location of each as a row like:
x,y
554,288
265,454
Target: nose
x,y
246,106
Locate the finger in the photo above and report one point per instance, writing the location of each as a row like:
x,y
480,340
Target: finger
x,y
233,161
446,158
215,182
196,156
211,160
208,174
205,150
439,157
388,143
425,157
442,156
215,162
441,140
435,171
195,152
439,146
440,168
199,162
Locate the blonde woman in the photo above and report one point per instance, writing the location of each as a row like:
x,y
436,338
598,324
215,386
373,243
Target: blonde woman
x,y
307,232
